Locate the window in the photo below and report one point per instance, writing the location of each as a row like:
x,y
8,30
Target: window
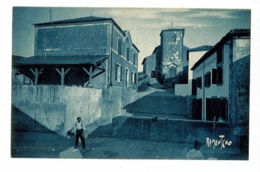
x,y
214,76
216,109
220,75
152,74
127,53
174,38
194,87
134,62
119,46
126,77
199,82
212,109
217,76
219,55
207,79
118,75
209,115
133,78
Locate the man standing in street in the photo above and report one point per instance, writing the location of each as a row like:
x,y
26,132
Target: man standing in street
x,y
80,134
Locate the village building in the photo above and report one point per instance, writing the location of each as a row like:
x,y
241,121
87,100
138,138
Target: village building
x,y
193,55
170,64
149,65
221,80
87,52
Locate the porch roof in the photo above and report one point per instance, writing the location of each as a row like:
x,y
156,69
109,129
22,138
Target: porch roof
x,y
58,60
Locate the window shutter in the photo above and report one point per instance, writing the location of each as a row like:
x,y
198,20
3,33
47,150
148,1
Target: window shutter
x,y
209,115
194,87
220,75
199,82
214,76
207,79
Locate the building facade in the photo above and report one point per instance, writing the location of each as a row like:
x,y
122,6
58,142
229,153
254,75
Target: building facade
x,y
221,80
149,65
173,58
193,55
83,51
171,62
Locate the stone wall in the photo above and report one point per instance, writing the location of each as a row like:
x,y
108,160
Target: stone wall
x,y
55,107
114,101
173,130
240,94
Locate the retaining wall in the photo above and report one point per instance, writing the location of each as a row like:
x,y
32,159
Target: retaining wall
x,y
55,107
173,130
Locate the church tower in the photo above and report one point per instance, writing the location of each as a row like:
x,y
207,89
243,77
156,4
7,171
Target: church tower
x,y
171,52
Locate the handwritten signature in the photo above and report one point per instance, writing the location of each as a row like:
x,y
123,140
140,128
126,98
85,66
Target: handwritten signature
x,y
221,141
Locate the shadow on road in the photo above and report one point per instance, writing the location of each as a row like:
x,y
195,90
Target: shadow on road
x,y
30,139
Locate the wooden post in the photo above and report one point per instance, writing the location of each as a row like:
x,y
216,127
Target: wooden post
x,y
62,74
36,74
90,73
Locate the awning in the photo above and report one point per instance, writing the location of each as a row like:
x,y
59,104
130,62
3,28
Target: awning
x,y
59,60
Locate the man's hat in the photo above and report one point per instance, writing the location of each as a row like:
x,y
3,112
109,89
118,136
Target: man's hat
x,y
78,118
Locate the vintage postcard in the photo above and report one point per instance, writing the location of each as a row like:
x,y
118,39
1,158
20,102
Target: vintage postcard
x,y
145,83
130,83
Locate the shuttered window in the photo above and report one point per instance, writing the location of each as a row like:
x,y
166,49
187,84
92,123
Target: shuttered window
x,y
220,75
199,82
194,87
207,80
214,76
216,109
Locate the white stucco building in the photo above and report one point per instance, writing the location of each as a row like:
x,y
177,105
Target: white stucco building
x,y
221,80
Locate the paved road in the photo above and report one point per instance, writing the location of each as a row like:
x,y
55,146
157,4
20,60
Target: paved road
x,y
50,145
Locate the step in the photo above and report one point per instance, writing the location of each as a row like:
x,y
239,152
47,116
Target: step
x,y
157,103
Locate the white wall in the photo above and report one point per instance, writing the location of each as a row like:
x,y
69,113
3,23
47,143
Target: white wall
x,y
214,89
185,89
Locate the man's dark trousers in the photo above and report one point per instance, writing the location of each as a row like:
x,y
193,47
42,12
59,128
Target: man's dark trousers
x,y
79,134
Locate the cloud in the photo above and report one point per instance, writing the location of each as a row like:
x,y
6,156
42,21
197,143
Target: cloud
x,y
129,13
221,14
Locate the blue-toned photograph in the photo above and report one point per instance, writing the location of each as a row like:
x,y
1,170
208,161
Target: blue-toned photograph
x,y
130,83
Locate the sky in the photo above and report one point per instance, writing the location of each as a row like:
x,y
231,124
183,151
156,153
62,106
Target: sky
x,y
202,26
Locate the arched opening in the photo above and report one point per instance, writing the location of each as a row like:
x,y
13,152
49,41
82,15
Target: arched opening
x,y
172,71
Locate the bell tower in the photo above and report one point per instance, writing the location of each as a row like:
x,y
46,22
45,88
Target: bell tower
x,y
172,52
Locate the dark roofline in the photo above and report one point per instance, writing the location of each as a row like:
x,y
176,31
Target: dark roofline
x,y
75,20
173,30
58,60
156,48
200,48
143,61
136,48
228,36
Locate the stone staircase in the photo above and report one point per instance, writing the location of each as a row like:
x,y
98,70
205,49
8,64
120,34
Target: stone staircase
x,y
159,103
